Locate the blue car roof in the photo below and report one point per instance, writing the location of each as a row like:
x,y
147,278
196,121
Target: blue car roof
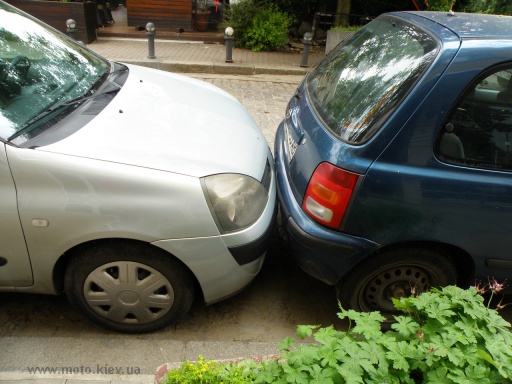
x,y
469,25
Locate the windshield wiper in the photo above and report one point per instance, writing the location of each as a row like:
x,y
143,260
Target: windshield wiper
x,y
28,126
119,68
109,89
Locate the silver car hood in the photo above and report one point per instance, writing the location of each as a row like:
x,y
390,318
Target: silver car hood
x,y
173,123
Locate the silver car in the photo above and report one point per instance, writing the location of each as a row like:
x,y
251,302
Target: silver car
x,y
126,187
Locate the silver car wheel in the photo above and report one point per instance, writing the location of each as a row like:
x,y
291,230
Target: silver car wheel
x,y
128,292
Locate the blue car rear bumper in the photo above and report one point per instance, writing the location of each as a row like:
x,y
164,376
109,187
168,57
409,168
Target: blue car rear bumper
x,y
323,253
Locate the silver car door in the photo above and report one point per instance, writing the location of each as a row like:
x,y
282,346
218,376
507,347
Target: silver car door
x,y
15,269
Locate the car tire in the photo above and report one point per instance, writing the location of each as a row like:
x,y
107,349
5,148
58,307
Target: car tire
x,y
128,287
395,273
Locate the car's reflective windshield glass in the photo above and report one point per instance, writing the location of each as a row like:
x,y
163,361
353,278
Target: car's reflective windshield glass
x,y
38,71
364,79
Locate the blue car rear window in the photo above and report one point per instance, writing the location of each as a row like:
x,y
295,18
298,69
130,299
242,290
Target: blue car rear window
x,y
363,80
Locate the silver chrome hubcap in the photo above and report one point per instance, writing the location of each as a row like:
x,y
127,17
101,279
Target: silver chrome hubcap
x,y
128,292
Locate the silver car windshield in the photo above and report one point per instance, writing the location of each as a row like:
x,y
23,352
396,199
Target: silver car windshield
x,y
40,73
364,79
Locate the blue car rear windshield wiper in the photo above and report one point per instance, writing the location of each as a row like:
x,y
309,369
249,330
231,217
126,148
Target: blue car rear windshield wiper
x,y
29,125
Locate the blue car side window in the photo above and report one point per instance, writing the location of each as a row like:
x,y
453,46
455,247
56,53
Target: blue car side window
x,y
478,131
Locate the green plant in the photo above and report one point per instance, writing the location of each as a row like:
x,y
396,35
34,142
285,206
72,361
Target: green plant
x,y
445,336
258,26
301,10
269,29
351,28
210,372
440,5
239,16
499,7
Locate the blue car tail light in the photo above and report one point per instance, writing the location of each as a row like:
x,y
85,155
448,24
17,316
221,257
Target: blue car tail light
x,y
328,194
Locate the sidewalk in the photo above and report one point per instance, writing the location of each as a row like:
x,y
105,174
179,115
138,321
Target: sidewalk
x,y
23,378
197,57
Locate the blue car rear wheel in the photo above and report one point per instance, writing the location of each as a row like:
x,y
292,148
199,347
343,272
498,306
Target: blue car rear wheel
x,y
395,273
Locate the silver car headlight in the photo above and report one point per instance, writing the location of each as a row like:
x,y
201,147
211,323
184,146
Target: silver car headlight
x,y
236,201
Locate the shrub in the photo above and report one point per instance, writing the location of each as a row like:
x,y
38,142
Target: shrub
x,y
258,26
499,7
269,30
440,5
239,16
445,336
350,28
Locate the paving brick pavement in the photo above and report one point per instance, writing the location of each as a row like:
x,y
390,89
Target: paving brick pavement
x,y
17,378
197,57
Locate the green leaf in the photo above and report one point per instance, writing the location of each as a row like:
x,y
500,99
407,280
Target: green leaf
x,y
460,376
294,375
403,304
406,326
376,354
304,355
330,355
388,378
349,375
286,344
442,346
495,321
399,353
430,358
467,327
470,354
438,376
327,335
368,324
304,331
422,302
485,356
350,314
355,359
440,310
433,327
478,373
321,375
269,372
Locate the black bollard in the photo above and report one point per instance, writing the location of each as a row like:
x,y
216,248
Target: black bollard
x,y
228,36
305,52
150,31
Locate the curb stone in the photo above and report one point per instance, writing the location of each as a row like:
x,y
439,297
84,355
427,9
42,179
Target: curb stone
x,y
215,68
29,378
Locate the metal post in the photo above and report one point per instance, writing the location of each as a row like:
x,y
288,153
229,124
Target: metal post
x,y
228,36
150,31
305,52
71,28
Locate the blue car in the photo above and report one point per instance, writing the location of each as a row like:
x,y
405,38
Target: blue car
x,y
394,161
